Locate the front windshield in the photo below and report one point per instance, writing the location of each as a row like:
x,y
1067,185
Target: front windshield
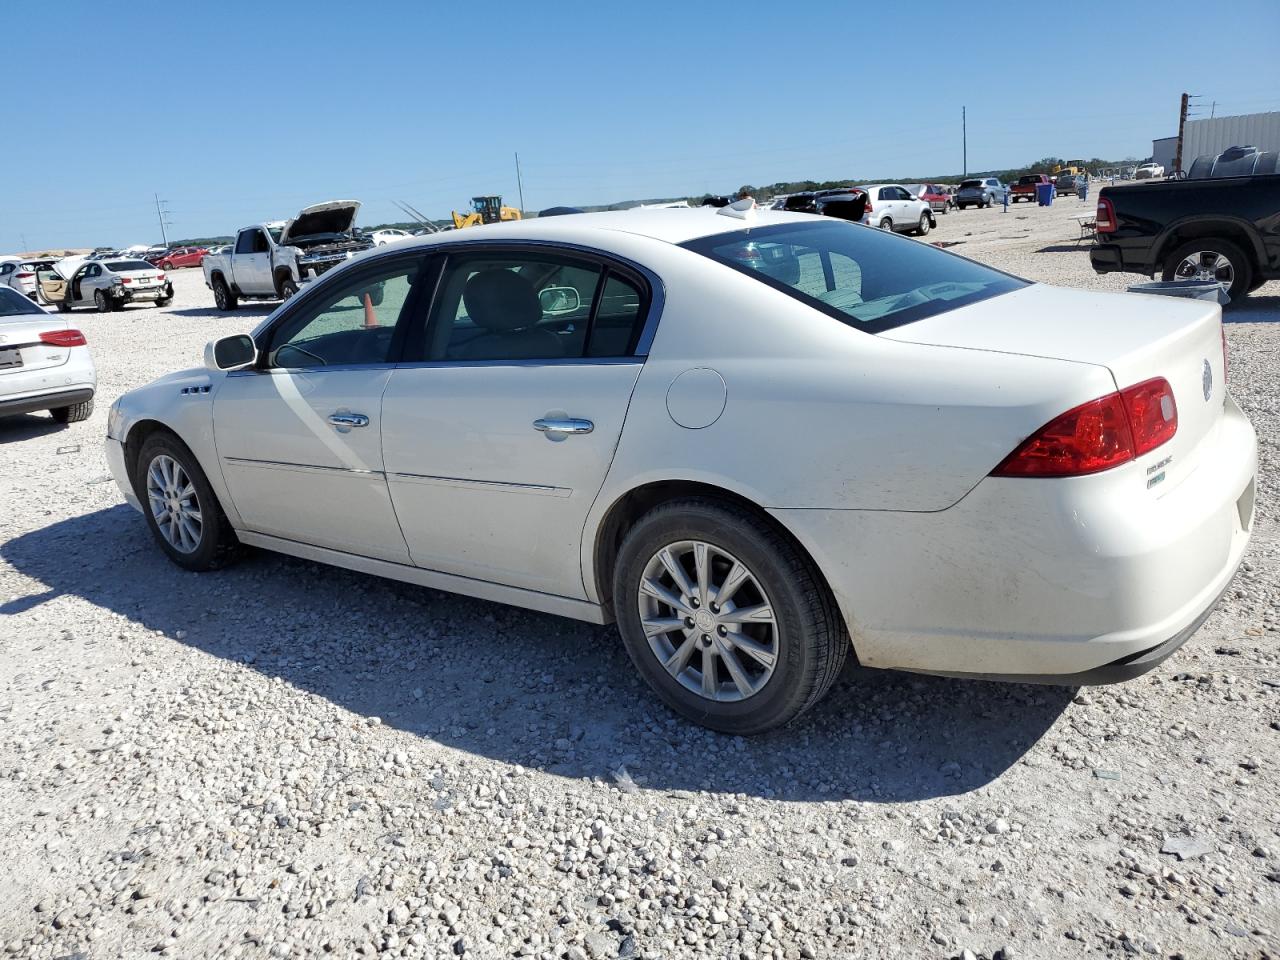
x,y
276,233
863,277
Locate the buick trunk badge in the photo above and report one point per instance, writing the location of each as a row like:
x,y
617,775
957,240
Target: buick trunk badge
x,y
1206,380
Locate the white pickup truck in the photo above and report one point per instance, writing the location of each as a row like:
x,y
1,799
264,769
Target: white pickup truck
x,y
270,260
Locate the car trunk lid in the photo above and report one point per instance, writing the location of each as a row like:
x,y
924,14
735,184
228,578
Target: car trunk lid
x,y
1137,337
22,351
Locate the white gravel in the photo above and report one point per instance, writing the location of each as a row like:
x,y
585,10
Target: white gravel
x,y
284,759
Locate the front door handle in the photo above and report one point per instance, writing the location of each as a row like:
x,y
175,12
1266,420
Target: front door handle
x,y
348,419
563,425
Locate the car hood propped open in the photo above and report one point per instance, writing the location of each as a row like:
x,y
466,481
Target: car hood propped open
x,y
334,216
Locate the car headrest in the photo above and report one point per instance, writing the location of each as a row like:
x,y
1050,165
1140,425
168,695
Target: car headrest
x,y
501,301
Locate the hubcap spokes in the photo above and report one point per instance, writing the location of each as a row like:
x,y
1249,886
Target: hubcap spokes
x,y
174,505
1208,266
708,621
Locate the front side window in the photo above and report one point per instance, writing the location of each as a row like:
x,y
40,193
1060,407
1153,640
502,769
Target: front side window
x,y
260,244
349,321
532,306
862,277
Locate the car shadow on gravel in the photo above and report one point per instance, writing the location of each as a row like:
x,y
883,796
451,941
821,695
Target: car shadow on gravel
x,y
527,688
1253,309
254,310
24,426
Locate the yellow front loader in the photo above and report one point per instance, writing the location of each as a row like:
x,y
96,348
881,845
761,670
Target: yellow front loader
x,y
485,210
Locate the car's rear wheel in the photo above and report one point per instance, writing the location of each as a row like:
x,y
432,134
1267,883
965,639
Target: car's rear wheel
x,y
223,296
725,617
180,505
100,301
1212,260
886,224
74,413
924,225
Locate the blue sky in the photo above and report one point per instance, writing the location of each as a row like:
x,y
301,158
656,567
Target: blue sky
x,y
239,112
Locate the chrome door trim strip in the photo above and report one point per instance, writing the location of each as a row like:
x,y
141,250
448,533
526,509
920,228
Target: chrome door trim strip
x,y
498,486
300,467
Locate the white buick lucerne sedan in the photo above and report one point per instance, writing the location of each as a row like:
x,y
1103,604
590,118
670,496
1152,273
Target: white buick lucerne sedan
x,y
759,441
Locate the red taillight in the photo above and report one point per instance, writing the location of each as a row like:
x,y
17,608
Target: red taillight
x,y
1104,220
869,207
160,276
126,279
63,338
1098,435
25,276
1153,414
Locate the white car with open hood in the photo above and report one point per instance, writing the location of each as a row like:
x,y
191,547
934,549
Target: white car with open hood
x,y
270,261
760,441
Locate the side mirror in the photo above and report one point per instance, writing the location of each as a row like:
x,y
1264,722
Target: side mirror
x,y
230,353
556,301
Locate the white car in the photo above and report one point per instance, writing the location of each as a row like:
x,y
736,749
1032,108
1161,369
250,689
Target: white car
x,y
390,235
44,362
891,206
107,284
1148,171
760,441
20,275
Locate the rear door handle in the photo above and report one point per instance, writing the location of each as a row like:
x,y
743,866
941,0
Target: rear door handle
x,y
563,425
348,419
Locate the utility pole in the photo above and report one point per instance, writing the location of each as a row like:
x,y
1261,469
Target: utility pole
x,y
24,242
1182,126
163,214
1213,107
519,183
964,141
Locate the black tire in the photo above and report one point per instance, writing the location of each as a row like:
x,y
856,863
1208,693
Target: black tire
x,y
217,545
287,287
101,301
74,413
164,302
810,638
1258,282
64,306
986,201
223,295
887,224
925,225
1241,266
962,206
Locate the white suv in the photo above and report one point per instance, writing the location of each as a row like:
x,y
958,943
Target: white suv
x,y
44,362
890,206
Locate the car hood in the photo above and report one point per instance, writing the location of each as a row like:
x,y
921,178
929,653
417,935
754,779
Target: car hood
x,y
335,216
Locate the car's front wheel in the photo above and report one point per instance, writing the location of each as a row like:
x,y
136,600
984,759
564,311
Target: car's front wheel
x,y
924,225
725,617
180,505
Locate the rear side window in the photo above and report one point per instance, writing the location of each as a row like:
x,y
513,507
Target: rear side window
x,y
14,304
863,277
533,306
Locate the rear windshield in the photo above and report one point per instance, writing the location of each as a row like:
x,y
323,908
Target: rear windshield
x,y
863,277
119,265
1028,179
970,183
14,304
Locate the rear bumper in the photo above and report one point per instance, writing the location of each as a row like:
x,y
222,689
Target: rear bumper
x,y
11,406
1087,580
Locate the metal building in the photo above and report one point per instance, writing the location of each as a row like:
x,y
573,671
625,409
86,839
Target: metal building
x,y
1212,136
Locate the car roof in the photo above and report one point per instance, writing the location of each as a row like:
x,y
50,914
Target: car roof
x,y
670,225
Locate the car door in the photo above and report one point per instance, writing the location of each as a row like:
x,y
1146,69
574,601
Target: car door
x,y
89,280
252,263
498,433
908,207
299,435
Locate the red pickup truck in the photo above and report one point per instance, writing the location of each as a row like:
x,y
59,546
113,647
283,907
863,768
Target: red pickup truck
x,y
1025,188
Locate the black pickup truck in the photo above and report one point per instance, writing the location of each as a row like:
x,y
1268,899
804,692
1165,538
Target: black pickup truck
x,y
1226,230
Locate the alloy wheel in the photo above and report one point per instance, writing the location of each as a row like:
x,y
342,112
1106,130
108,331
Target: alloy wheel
x,y
708,621
174,504
1206,265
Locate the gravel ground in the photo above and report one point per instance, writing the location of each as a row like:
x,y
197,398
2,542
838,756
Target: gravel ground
x,y
285,760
